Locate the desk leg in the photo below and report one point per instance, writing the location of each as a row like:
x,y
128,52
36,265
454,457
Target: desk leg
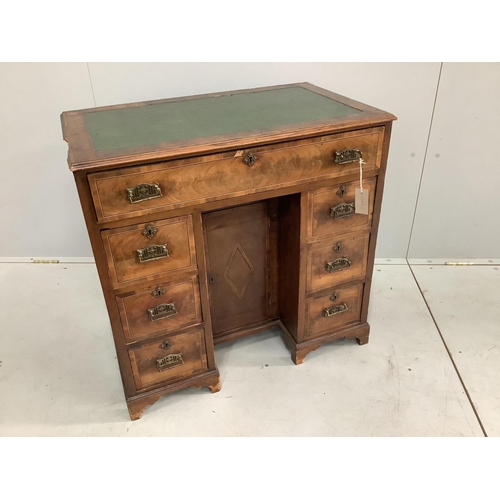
x,y
362,338
214,388
300,350
137,405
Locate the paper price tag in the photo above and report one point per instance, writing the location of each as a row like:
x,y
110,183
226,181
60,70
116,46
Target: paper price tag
x,y
361,195
361,201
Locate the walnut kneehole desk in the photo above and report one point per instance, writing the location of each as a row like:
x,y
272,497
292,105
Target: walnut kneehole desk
x,y
217,216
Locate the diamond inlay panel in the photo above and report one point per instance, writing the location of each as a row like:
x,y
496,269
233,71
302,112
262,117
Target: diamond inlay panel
x,y
238,271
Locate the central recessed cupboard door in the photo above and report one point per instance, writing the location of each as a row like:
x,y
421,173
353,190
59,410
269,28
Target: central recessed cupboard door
x,y
238,241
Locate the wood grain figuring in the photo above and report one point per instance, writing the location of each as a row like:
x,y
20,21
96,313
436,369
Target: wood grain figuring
x,y
319,324
189,345
351,173
322,200
121,247
354,247
202,181
248,244
238,242
134,308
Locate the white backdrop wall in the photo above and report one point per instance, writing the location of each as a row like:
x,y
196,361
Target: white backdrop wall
x,y
40,213
458,210
39,209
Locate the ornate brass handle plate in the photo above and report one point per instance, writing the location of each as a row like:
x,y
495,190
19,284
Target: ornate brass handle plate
x,y
332,311
169,361
342,210
347,156
152,252
162,311
338,264
143,192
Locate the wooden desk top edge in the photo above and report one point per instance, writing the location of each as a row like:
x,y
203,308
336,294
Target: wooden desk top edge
x,y
82,157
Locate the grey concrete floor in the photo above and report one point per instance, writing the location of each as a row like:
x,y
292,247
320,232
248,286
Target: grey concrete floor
x,y
59,375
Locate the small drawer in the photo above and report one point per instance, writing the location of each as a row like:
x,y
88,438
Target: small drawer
x,y
337,260
341,307
134,191
333,209
169,359
145,251
161,308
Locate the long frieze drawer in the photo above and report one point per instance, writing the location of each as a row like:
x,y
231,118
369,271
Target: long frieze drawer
x,y
134,191
160,308
337,260
169,359
145,251
333,209
340,307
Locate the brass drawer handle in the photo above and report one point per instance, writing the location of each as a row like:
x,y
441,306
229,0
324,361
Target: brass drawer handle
x,y
143,192
152,252
332,311
162,311
347,156
338,265
250,159
169,361
342,210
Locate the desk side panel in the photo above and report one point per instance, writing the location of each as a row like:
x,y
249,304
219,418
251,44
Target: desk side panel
x,y
375,221
289,262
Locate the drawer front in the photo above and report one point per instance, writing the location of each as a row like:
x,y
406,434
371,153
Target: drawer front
x,y
330,263
129,192
169,359
340,307
144,251
333,209
161,308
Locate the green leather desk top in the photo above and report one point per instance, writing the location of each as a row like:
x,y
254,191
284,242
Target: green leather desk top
x,y
173,128
208,117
